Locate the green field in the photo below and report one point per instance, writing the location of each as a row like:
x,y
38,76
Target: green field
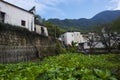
x,y
70,66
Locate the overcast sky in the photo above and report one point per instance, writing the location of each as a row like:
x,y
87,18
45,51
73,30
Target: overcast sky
x,y
71,9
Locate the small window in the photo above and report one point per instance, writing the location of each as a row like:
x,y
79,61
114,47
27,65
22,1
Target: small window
x,y
2,17
23,23
42,30
35,29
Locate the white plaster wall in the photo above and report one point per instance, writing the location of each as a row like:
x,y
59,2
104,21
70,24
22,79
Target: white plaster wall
x,y
78,37
38,30
46,31
98,45
14,16
68,37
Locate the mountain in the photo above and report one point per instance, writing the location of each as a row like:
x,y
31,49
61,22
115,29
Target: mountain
x,y
106,16
83,23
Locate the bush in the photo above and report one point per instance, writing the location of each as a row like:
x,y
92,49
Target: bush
x,y
73,48
62,67
59,48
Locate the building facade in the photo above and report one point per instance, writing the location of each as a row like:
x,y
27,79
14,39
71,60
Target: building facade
x,y
41,30
68,37
15,15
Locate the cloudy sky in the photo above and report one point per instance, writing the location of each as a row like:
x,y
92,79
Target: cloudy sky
x,y
71,9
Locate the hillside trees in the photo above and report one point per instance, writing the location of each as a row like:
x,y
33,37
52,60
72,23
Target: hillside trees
x,y
93,40
116,25
53,30
39,19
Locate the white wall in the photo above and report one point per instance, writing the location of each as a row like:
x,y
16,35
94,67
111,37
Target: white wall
x,y
46,31
68,37
78,37
38,30
98,45
14,16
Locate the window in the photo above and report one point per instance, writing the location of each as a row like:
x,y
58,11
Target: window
x,y
31,26
42,30
2,17
35,29
23,23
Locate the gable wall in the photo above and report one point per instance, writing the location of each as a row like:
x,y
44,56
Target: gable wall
x,y
14,16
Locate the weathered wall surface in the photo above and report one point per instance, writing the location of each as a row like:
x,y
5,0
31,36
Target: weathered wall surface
x,y
13,54
14,16
12,39
17,36
18,44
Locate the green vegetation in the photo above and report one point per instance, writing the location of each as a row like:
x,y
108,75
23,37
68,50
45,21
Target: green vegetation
x,y
53,30
59,49
86,25
116,25
70,66
66,48
18,30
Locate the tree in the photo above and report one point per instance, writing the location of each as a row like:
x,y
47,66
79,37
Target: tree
x,y
108,38
53,30
59,48
116,25
93,40
38,19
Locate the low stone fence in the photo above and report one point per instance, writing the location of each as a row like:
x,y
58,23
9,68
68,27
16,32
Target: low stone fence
x,y
12,54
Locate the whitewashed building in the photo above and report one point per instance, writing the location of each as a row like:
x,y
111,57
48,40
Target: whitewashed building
x,y
68,37
15,15
42,30
92,37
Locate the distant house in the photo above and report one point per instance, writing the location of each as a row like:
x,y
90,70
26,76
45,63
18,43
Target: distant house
x,y
42,30
91,38
15,15
68,37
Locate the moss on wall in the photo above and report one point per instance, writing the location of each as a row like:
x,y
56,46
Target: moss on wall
x,y
18,36
19,42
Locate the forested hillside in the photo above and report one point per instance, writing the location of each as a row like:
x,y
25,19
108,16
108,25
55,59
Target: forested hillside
x,y
85,24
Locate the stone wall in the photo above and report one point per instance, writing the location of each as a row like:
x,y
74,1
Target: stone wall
x,y
12,39
18,44
12,54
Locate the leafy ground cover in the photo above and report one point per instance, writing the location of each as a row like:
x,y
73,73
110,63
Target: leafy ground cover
x,y
70,66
